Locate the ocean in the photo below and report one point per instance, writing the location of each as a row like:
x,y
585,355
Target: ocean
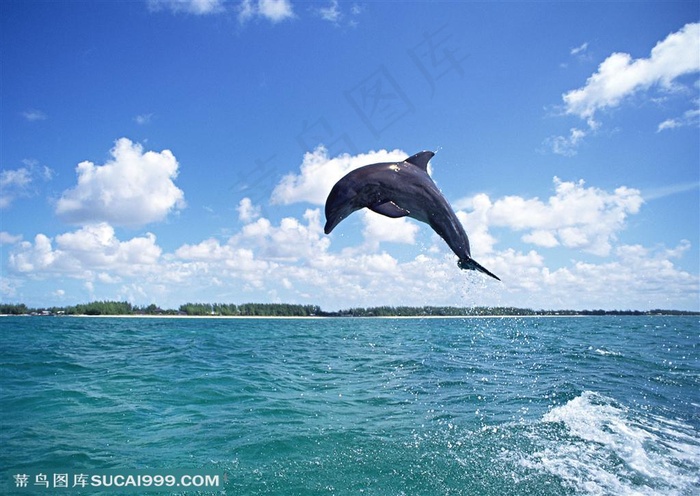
x,y
365,406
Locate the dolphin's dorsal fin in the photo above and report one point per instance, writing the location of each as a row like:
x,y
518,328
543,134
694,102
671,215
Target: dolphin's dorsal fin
x,y
420,159
390,209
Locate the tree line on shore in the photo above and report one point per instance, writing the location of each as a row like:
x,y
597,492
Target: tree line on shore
x,y
296,310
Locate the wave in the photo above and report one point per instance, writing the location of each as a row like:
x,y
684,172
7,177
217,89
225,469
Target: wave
x,y
604,352
595,445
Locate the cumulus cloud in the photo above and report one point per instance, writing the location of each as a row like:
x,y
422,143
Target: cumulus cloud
x,y
290,259
476,223
292,240
293,260
212,261
635,277
379,228
132,189
273,10
319,172
247,212
261,254
578,217
80,253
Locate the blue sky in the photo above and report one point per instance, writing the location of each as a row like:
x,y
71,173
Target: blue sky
x,y
175,151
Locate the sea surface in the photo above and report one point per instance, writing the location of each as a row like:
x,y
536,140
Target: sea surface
x,y
461,406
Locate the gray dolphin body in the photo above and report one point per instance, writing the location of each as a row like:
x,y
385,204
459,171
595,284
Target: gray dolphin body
x,y
399,189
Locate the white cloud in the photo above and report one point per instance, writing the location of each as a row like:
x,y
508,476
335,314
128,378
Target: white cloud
x,y
689,118
292,240
143,119
566,145
579,49
132,189
212,262
669,190
273,10
542,238
198,7
620,75
636,277
378,229
246,11
575,217
9,239
288,242
16,183
319,172
247,212
295,261
33,115
292,260
80,253
331,13
209,249
476,224
108,278
17,178
8,287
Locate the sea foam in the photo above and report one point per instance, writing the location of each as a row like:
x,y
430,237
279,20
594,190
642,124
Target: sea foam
x,y
603,447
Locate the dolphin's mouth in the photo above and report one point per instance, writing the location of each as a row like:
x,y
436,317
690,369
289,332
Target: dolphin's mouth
x,y
331,222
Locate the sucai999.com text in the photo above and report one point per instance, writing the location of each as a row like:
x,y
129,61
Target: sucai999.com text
x,y
120,481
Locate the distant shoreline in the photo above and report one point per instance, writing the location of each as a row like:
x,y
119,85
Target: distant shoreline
x,y
321,317
298,311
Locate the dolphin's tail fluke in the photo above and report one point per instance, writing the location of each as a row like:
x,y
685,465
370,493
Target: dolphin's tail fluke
x,y
471,264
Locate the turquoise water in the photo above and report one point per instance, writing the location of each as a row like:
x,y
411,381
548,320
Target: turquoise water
x,y
500,406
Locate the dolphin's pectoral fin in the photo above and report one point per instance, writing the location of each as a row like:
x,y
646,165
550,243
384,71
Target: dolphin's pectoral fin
x,y
390,209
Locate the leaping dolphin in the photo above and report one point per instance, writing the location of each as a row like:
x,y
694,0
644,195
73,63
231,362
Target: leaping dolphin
x,y
399,189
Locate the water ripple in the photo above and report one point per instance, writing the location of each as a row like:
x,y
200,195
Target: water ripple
x,y
371,406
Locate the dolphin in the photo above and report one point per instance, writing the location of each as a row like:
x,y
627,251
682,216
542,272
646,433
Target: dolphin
x,y
399,189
